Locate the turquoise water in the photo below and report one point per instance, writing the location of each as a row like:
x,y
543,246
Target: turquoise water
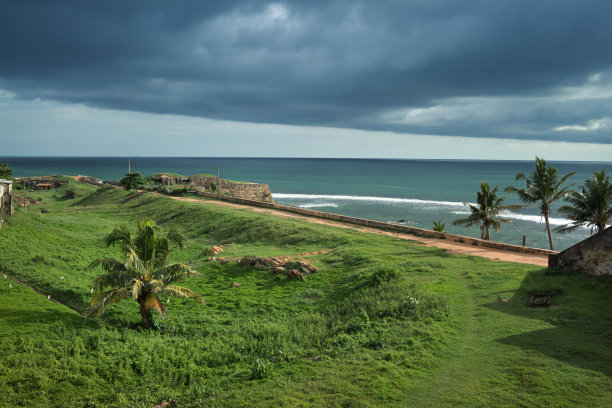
x,y
417,191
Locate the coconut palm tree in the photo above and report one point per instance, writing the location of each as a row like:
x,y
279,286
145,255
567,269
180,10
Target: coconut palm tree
x,y
592,206
487,211
144,274
543,187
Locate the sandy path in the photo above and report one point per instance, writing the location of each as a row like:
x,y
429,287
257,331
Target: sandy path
x,y
451,247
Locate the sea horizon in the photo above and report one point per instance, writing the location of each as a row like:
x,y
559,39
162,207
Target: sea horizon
x,y
415,192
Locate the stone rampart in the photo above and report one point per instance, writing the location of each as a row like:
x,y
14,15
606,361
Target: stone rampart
x,y
592,256
223,188
419,232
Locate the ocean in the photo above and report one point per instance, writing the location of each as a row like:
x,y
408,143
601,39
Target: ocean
x,y
417,192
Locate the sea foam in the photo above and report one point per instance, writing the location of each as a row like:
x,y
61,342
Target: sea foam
x,y
366,198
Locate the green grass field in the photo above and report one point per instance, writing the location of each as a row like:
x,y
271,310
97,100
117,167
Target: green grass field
x,y
385,322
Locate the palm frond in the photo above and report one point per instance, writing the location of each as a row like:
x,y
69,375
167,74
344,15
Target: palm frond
x,y
173,272
113,280
183,292
137,288
100,301
108,264
176,239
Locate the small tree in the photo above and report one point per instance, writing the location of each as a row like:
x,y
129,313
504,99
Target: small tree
x,y
144,275
132,180
487,211
544,187
591,206
5,172
438,226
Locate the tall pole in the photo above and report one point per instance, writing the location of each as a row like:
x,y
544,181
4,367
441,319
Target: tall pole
x,y
52,193
24,194
129,166
218,184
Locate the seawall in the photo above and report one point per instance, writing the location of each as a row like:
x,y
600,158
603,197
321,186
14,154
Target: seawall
x,y
418,232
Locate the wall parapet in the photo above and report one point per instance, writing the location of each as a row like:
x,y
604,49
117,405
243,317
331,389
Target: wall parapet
x,y
250,191
592,255
418,232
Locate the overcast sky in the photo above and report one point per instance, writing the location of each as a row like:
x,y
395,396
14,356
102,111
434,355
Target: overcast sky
x,y
427,78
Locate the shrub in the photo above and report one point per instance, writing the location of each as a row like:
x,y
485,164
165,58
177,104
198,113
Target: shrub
x,y
261,369
438,226
132,180
385,274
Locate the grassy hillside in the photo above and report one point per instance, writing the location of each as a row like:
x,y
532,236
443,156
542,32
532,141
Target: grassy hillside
x,y
385,322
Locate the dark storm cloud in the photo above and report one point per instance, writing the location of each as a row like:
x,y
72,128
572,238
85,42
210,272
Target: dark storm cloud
x,y
469,68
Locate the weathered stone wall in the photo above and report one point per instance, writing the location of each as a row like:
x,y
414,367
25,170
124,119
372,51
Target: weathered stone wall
x,y
592,256
246,191
419,232
166,180
31,182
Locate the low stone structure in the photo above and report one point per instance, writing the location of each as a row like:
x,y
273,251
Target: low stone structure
x,y
246,191
166,180
89,180
42,183
6,200
592,256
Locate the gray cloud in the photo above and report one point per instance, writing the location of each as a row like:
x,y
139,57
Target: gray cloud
x,y
518,69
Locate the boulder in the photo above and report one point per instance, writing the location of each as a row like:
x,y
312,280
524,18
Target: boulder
x,y
215,250
295,274
236,285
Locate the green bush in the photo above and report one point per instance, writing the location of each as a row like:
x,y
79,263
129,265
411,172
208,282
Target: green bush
x,y
261,369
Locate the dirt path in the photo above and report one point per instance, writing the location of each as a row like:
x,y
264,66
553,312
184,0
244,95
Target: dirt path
x,y
451,247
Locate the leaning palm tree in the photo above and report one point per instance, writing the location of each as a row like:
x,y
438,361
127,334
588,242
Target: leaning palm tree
x,y
592,206
487,211
543,187
144,274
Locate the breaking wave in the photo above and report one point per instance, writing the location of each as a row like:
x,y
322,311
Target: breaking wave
x,y
366,198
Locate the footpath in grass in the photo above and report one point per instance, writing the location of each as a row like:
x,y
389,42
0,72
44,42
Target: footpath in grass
x,y
384,322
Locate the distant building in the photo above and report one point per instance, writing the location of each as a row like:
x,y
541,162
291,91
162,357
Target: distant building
x,y
44,186
6,200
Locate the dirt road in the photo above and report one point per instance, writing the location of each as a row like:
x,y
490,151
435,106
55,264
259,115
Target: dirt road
x,y
451,247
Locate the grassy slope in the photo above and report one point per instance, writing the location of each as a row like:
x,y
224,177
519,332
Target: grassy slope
x,y
346,336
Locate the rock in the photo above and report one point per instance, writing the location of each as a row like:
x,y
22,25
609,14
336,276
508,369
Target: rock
x,y
273,262
247,261
215,250
295,274
237,285
260,266
223,261
278,269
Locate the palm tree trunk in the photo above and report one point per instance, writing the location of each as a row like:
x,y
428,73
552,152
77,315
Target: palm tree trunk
x,y
146,315
548,230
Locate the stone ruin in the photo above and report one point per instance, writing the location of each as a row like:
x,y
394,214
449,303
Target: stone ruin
x,y
247,191
295,269
592,256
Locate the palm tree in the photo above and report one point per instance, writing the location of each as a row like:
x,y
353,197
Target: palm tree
x,y
145,273
543,187
591,207
486,212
